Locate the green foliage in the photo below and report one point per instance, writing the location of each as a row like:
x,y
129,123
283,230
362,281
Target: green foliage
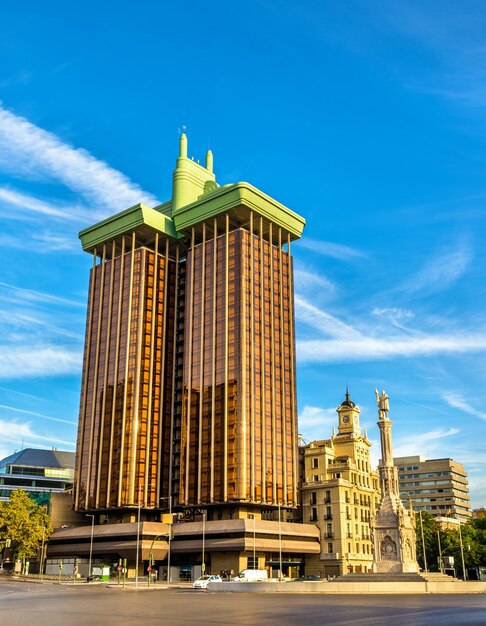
x,y
25,523
473,543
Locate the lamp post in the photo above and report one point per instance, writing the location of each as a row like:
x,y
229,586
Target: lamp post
x,y
138,536
423,540
203,540
462,553
169,498
151,553
440,553
279,543
42,553
91,543
254,543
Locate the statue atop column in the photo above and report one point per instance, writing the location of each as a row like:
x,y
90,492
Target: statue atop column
x,y
393,525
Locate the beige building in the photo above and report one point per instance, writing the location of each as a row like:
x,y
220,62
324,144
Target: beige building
x,y
438,486
339,493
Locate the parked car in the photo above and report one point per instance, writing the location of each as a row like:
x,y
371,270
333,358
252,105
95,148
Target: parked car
x,y
302,579
203,581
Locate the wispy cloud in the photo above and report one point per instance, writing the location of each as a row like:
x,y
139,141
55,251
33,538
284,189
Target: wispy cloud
x,y
441,271
334,250
304,280
33,413
54,243
316,422
340,341
16,434
24,203
27,149
19,78
423,444
31,295
453,36
321,321
395,315
26,361
381,348
457,401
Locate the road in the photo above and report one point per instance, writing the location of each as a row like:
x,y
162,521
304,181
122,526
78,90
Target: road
x,y
49,604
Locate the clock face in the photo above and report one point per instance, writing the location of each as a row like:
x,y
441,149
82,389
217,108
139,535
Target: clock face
x,y
346,419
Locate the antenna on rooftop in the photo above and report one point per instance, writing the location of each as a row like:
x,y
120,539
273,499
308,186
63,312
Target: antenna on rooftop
x,y
182,129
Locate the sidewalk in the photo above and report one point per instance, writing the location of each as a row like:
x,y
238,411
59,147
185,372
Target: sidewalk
x,y
112,583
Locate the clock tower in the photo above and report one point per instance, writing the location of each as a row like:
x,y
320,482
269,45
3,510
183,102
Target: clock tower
x,y
348,417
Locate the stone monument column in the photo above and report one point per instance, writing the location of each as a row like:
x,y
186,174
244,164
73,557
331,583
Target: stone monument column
x,y
393,525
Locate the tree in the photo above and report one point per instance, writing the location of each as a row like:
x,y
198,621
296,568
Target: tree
x,y
25,523
473,535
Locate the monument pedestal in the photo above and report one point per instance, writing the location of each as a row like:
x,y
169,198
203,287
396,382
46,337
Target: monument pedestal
x,y
394,538
393,526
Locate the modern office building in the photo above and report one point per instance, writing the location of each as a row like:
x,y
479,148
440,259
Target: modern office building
x,y
438,486
340,492
188,398
38,472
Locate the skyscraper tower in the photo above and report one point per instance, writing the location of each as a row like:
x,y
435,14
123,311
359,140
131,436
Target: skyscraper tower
x,y
188,391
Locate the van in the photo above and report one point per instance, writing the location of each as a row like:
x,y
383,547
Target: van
x,y
251,575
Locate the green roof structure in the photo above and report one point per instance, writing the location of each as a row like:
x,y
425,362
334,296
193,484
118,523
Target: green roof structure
x,y
196,198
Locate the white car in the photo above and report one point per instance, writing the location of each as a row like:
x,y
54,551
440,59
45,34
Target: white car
x,y
203,581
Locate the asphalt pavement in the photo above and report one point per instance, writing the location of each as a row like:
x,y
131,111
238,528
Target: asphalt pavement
x,y
29,603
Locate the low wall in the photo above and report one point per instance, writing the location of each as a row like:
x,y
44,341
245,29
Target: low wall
x,y
325,587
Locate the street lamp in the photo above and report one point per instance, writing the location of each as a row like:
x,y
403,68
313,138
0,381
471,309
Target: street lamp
x,y
138,536
441,566
169,498
254,543
91,543
423,540
203,540
42,553
462,553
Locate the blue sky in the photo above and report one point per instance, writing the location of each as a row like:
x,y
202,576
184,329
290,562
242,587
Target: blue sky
x,y
365,117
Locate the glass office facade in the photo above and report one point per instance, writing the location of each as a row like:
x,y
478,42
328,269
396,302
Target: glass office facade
x,y
239,417
189,371
124,427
